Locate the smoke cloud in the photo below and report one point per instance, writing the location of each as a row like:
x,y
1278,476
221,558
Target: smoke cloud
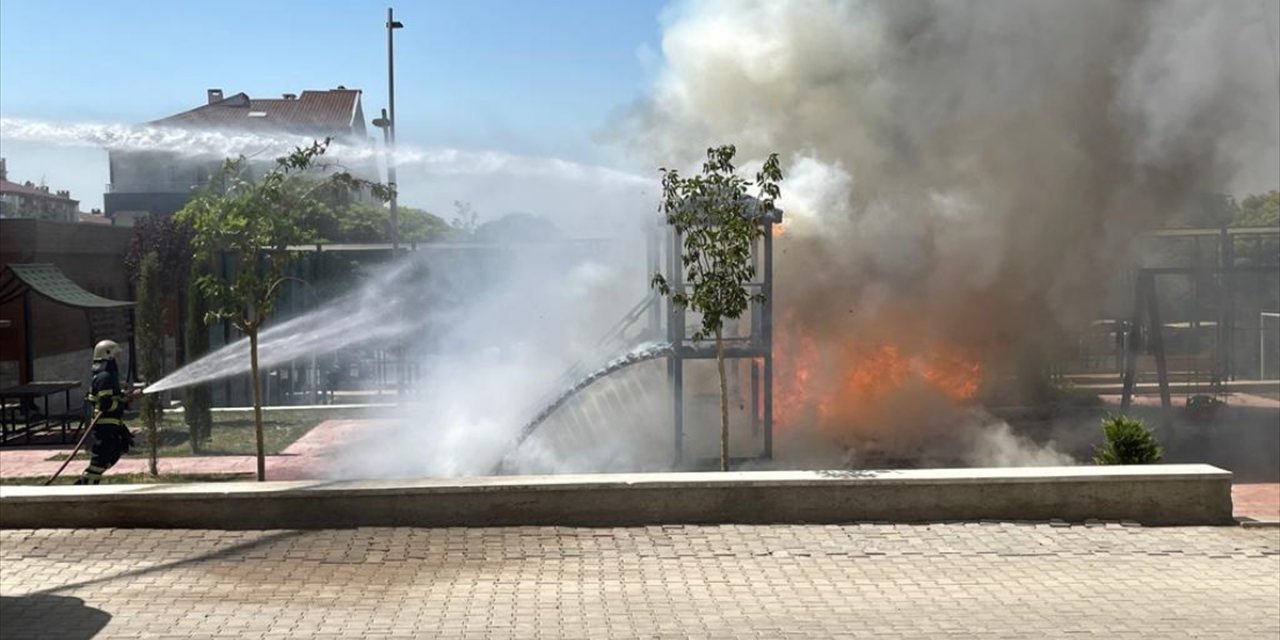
x,y
967,174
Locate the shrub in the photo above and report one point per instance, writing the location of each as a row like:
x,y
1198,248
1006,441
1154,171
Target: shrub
x,y
1128,442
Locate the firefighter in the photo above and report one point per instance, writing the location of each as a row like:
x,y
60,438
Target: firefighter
x,y
110,437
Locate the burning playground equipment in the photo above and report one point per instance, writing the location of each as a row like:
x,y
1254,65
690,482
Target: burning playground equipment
x,y
664,330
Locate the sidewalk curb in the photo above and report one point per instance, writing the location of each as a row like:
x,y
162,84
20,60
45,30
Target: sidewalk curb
x,y
1254,523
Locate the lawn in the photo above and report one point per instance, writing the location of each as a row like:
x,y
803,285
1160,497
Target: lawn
x,y
232,433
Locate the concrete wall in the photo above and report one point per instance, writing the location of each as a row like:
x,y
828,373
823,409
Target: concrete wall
x,y
1152,495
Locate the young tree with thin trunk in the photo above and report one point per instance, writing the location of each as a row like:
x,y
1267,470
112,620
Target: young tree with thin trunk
x,y
254,222
166,243
150,318
197,399
718,222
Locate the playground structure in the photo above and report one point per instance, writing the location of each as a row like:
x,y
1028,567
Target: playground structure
x,y
664,330
1198,319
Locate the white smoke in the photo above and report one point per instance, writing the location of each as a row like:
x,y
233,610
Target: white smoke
x,y
956,149
818,195
1206,82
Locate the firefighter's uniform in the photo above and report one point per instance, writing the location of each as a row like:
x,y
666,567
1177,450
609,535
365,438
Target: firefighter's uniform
x,y
110,438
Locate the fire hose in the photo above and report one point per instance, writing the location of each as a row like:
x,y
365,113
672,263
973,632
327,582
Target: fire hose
x,y
79,444
83,437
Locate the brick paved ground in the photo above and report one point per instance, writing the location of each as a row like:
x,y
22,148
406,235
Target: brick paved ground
x,y
306,458
794,581
1260,501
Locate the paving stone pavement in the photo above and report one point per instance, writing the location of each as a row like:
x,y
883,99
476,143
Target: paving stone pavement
x,y
981,580
310,456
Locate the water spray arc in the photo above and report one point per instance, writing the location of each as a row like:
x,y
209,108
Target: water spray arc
x,y
752,340
643,353
440,161
357,318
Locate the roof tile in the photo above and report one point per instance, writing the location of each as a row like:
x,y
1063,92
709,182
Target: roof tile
x,y
330,112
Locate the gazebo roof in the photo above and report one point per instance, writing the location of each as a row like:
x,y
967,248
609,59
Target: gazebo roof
x,y
49,281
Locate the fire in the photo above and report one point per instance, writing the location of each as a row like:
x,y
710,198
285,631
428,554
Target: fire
x,y
795,375
868,373
858,380
953,374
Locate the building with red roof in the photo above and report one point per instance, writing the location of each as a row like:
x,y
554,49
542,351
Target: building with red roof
x,y
162,182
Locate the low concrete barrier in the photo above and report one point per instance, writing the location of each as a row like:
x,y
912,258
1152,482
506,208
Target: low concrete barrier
x,y
1153,495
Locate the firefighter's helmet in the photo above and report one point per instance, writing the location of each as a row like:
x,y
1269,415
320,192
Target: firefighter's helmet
x,y
106,350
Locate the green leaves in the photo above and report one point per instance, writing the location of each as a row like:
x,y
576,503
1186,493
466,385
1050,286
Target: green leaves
x,y
1128,442
1261,210
253,222
718,222
364,222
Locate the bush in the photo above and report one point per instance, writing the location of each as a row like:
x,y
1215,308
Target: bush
x,y
1128,442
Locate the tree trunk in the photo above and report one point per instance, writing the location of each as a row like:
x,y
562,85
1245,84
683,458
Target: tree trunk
x,y
153,440
150,341
256,384
724,403
196,399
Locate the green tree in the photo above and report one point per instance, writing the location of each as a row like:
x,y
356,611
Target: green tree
x,y
364,222
517,227
718,222
169,238
1128,441
197,399
158,262
1262,210
150,328
464,218
254,222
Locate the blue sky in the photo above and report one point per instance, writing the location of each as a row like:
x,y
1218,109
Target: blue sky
x,y
538,78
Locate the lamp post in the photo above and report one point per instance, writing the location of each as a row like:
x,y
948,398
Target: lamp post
x,y
389,131
388,125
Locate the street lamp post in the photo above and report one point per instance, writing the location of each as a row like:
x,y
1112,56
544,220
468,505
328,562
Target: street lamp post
x,y
390,131
388,125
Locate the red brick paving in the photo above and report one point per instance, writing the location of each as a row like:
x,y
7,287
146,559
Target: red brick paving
x,y
305,459
1260,501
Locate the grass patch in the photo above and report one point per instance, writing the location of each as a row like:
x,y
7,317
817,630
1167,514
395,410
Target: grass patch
x,y
69,477
232,433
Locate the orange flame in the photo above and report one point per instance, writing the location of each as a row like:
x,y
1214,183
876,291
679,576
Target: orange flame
x,y
860,378
867,374
796,363
956,376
